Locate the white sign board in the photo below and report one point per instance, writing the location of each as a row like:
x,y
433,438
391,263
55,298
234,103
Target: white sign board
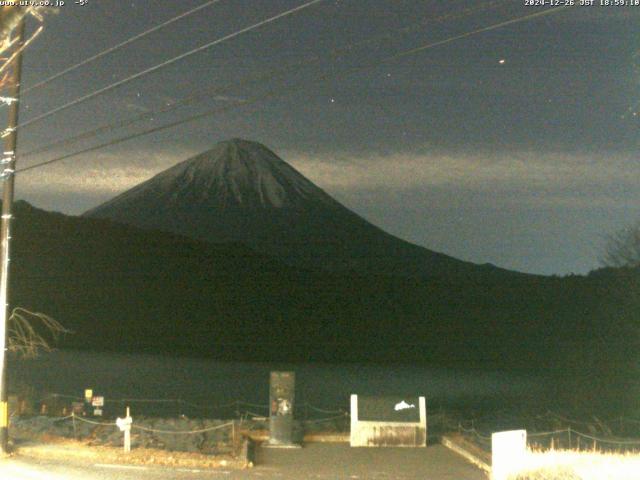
x,y
508,453
124,424
388,422
97,401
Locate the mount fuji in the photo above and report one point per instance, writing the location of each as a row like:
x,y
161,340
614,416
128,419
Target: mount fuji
x,y
240,191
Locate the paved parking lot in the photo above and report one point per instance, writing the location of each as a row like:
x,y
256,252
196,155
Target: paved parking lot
x,y
314,461
338,461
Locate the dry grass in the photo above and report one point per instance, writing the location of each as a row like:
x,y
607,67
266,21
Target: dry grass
x,y
579,465
76,450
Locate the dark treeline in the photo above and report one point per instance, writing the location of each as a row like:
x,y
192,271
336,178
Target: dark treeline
x,y
124,289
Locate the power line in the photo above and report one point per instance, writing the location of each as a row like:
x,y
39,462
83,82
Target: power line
x,y
164,64
482,30
109,127
119,46
277,92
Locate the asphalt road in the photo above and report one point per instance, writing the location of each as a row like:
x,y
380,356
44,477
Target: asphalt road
x,y
314,461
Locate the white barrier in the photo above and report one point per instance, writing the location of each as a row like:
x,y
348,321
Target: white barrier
x,y
388,430
508,453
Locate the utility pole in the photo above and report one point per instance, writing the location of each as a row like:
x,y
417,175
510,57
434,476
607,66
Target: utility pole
x,y
8,167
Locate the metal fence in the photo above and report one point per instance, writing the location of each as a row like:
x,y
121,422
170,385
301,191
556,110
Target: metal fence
x,y
618,434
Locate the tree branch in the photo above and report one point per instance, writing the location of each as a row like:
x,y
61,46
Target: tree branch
x,y
23,333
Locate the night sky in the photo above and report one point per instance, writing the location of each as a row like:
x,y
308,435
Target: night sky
x,y
516,146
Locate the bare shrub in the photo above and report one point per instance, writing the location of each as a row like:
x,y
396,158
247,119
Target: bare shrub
x,y
31,332
623,248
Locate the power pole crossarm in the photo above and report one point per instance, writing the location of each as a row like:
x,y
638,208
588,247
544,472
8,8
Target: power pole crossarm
x,y
10,18
7,174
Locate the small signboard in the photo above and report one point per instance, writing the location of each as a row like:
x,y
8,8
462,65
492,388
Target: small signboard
x,y
97,412
88,395
389,409
77,408
97,401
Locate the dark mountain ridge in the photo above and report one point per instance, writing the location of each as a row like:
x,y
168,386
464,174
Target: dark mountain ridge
x,y
120,287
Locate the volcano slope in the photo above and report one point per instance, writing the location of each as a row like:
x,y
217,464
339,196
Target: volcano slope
x,y
240,191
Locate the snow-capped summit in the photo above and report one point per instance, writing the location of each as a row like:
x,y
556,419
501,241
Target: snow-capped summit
x,y
235,173
239,172
240,191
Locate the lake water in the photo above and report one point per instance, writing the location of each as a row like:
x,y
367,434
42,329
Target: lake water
x,y
151,381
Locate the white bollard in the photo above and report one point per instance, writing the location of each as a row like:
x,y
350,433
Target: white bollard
x,y
124,424
508,453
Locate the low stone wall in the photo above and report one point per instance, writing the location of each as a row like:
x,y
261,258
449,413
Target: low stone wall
x,y
468,450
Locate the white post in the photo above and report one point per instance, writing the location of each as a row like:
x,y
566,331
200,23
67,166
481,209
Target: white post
x,y
354,411
354,420
422,402
124,424
127,434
